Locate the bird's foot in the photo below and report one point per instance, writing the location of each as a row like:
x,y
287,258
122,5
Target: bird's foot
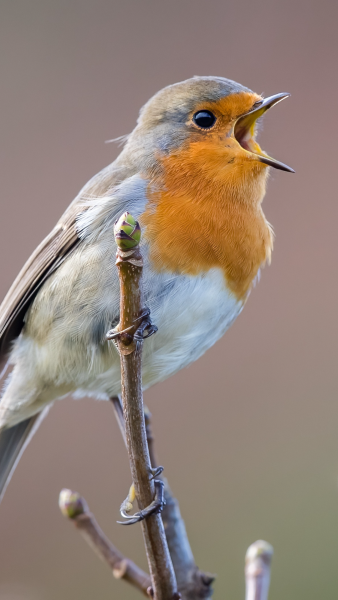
x,y
143,325
155,507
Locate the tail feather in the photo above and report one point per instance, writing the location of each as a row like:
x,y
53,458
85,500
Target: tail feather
x,y
13,442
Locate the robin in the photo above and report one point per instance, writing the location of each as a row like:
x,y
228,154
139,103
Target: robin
x,y
194,176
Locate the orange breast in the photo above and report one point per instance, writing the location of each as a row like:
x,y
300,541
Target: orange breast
x,y
204,211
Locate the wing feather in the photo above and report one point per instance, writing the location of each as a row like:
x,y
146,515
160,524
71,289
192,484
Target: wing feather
x,y
45,259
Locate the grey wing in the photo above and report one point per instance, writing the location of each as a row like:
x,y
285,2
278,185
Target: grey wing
x,y
46,259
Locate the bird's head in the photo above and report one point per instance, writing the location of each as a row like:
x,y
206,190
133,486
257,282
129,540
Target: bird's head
x,y
195,142
207,121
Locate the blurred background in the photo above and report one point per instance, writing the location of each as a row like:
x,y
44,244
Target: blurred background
x,y
248,434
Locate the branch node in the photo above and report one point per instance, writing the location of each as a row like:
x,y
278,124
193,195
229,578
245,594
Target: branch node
x,y
120,569
208,578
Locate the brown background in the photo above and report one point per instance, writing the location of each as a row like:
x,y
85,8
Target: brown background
x,y
249,434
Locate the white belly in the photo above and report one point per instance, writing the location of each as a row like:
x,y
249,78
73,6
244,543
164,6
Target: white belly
x,y
190,321
190,317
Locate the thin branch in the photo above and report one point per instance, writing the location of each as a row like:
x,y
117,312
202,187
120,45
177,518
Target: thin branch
x,y
76,509
257,570
130,266
192,583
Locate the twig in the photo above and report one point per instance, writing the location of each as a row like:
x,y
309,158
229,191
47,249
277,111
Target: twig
x,y
257,570
130,266
76,509
192,583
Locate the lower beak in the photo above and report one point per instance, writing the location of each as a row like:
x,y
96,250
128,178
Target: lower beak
x,y
244,131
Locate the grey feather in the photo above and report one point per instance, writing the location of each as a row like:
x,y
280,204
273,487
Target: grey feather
x,y
13,442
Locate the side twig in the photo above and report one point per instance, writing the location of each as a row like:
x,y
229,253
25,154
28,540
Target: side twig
x,y
257,570
130,268
76,509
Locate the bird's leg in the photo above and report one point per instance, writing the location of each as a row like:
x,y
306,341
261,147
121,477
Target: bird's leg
x,y
156,506
135,332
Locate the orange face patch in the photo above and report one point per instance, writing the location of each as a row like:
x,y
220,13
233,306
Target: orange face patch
x,y
204,204
228,109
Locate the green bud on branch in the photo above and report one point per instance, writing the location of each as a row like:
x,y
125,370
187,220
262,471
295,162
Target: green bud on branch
x,y
71,504
127,232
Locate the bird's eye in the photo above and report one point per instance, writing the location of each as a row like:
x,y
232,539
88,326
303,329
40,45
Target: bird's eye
x,y
204,119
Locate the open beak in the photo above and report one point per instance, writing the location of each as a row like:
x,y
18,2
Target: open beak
x,y
244,131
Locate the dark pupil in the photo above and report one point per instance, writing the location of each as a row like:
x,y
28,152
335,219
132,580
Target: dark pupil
x,y
204,119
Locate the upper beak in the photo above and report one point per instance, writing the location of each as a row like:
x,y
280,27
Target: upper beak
x,y
245,128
